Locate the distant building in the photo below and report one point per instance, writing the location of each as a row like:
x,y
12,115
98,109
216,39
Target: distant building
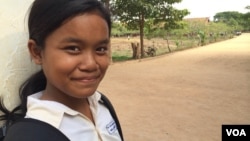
x,y
201,20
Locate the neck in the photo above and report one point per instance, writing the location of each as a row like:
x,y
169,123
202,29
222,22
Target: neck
x,y
80,105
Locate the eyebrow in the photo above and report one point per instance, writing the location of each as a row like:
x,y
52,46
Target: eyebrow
x,y
79,41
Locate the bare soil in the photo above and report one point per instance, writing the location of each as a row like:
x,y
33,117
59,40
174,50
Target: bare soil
x,y
122,46
183,96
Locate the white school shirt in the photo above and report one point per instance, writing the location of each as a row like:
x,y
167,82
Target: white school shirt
x,y
73,124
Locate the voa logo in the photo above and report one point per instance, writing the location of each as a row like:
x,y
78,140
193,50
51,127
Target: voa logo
x,y
236,132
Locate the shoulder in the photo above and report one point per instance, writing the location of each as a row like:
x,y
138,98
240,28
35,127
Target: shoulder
x,y
33,130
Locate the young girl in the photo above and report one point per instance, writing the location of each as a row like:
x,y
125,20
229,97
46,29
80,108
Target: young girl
x,y
70,40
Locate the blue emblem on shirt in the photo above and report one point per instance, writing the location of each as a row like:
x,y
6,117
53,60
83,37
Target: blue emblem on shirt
x,y
111,127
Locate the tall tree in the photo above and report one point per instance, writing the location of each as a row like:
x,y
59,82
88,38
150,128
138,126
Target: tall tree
x,y
246,18
233,18
134,13
227,15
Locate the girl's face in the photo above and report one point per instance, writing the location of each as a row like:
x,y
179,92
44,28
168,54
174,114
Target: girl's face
x,y
76,56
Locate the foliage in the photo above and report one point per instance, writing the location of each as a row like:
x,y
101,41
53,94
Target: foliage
x,y
202,37
238,21
130,11
246,22
119,30
227,15
117,58
136,14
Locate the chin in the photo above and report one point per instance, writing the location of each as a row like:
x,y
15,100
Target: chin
x,y
84,94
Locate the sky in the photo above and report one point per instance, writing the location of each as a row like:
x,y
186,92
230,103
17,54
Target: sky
x,y
208,8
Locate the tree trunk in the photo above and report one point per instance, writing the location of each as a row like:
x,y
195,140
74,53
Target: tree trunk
x,y
168,43
141,20
136,50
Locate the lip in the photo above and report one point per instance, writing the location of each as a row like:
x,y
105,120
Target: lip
x,y
86,79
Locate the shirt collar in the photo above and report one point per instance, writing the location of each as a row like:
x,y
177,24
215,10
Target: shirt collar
x,y
52,112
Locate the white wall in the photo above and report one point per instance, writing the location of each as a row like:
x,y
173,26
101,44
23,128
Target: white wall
x,y
15,62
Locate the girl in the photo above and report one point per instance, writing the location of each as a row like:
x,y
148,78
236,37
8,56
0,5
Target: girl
x,y
70,40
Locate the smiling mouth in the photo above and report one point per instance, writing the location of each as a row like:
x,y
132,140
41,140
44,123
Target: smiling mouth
x,y
87,79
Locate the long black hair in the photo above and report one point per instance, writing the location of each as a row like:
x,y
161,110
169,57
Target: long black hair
x,y
46,16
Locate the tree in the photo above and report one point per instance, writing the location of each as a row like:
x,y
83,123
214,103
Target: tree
x,y
246,18
233,19
228,16
134,13
174,21
246,22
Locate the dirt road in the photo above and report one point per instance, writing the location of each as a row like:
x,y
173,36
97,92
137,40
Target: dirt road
x,y
183,96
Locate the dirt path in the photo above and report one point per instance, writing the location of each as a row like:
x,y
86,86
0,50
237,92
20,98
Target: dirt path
x,y
183,96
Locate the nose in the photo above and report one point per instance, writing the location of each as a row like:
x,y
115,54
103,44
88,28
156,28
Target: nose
x,y
88,62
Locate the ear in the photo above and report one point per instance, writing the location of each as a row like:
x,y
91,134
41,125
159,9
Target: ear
x,y
35,52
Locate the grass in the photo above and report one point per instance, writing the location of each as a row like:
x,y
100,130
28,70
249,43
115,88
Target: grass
x,y
122,50
120,58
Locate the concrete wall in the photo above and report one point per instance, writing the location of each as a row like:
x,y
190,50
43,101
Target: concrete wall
x,y
15,62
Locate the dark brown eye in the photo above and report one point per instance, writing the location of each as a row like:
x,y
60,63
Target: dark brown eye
x,y
102,50
72,49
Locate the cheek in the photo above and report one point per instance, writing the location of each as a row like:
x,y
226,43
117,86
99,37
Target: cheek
x,y
104,63
67,65
58,63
